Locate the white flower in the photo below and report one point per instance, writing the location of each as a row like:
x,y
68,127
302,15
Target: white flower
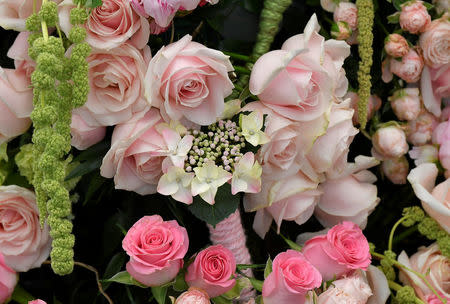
x,y
176,183
247,175
207,180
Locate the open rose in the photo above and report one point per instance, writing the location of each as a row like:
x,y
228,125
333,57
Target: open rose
x,y
8,280
189,82
435,43
116,80
110,25
350,290
22,241
291,278
414,17
83,135
343,249
213,270
156,249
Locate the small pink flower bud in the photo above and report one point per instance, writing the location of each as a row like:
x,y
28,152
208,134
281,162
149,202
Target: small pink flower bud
x,y
396,169
341,30
414,17
389,142
406,103
347,12
420,130
409,68
396,45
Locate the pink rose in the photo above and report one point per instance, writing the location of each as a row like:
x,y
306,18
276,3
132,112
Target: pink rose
x,y
409,68
350,290
156,249
433,299
406,103
420,130
330,5
24,244
435,199
213,270
430,262
396,45
414,17
116,80
373,106
424,154
193,296
110,25
347,12
133,159
435,43
8,280
83,135
343,249
441,136
335,205
396,169
434,86
38,301
291,278
189,81
389,142
300,81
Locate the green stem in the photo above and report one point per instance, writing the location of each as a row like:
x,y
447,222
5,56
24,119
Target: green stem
x,y
395,286
242,70
405,234
44,25
238,56
391,235
250,266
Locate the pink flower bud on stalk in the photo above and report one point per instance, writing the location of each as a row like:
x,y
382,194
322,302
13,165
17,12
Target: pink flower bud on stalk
x,y
374,105
406,103
409,68
341,30
347,12
396,45
396,169
389,142
420,130
414,17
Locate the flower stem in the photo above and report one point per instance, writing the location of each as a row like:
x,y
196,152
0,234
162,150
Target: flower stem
x,y
239,56
395,286
391,235
44,25
242,70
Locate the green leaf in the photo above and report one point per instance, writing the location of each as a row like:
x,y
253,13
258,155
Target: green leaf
x,y
84,168
394,18
3,151
268,268
180,283
221,300
159,293
225,204
257,284
94,152
125,278
114,266
95,183
93,3
398,4
241,284
291,244
428,5
21,296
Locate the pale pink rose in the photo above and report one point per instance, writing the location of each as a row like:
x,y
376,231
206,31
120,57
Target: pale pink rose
x,y
396,169
156,249
435,199
435,43
110,25
406,103
133,159
424,154
23,243
414,17
83,135
340,30
330,5
300,81
38,301
116,80
441,136
349,290
155,29
409,68
8,280
396,45
193,296
347,12
189,82
419,131
213,271
291,278
434,86
343,249
430,262
433,299
373,106
389,142
335,205
19,52
13,13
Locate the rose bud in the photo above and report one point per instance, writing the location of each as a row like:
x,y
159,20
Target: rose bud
x,y
347,12
389,142
343,249
410,68
373,106
441,136
419,131
406,103
414,17
340,30
396,45
193,296
396,169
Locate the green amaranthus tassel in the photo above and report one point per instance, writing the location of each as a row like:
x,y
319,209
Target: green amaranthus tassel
x,y
365,39
59,85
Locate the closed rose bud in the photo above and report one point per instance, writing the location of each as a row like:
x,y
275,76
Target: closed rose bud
x,y
193,296
409,68
374,105
341,30
389,142
420,130
396,170
347,12
414,17
396,45
406,103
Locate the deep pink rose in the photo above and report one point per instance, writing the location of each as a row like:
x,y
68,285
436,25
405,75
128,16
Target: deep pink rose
x,y
406,103
434,86
23,243
8,280
414,17
156,249
409,68
38,301
193,296
342,250
83,135
213,270
419,131
347,12
389,142
433,299
435,43
396,45
291,278
116,80
189,82
110,25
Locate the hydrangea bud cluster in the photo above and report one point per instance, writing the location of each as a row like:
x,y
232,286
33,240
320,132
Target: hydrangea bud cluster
x,y
222,143
59,85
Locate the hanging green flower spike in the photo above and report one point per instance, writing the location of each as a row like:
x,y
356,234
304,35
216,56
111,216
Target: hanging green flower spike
x,y
59,85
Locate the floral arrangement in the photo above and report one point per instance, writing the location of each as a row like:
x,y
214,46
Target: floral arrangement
x,y
211,151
